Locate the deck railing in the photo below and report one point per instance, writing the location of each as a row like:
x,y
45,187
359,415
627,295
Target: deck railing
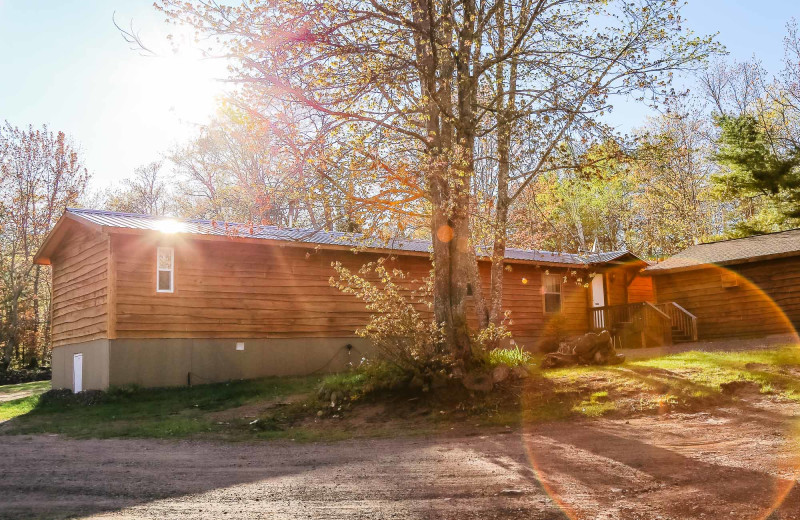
x,y
682,320
641,323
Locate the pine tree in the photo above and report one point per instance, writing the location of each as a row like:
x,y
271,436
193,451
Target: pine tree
x,y
755,166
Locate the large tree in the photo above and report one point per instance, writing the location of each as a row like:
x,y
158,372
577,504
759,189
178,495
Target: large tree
x,y
145,192
674,206
755,167
576,209
41,172
247,168
412,87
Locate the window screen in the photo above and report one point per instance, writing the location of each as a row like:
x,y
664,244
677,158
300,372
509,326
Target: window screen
x,y
552,293
165,269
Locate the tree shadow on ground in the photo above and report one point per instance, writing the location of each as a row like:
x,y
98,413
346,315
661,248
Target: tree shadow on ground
x,y
587,461
53,477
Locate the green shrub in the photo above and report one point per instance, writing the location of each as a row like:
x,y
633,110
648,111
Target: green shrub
x,y
490,337
23,375
366,379
512,357
401,334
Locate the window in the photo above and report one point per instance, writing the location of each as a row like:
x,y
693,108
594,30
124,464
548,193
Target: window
x,y
165,269
551,287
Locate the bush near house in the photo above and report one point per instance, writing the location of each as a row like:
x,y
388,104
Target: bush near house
x,y
17,376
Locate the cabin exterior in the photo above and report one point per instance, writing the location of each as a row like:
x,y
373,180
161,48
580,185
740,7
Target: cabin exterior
x,y
158,302
735,288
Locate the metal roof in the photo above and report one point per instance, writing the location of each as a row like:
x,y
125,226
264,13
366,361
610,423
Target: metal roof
x,y
737,250
610,256
115,219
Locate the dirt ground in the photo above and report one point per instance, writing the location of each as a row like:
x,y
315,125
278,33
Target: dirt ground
x,y
24,390
13,396
737,462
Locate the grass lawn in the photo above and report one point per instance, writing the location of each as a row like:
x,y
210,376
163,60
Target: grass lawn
x,y
11,407
159,413
289,407
36,387
687,380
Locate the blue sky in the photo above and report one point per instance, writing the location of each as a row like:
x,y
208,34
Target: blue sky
x,y
65,64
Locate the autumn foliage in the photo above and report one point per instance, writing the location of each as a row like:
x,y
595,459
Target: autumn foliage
x,y
40,174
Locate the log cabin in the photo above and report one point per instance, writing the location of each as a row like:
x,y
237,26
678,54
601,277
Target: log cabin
x,y
151,301
743,287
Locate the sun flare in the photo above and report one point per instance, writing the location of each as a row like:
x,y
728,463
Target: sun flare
x,y
170,226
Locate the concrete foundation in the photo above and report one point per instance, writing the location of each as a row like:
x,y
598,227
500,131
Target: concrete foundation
x,y
95,364
177,362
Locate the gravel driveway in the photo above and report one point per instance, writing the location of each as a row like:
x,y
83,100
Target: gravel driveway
x,y
730,463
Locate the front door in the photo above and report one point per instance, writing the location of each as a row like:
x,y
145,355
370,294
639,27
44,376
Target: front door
x,y
598,291
77,373
598,300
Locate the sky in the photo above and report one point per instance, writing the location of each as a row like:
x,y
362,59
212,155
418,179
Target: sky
x,y
64,64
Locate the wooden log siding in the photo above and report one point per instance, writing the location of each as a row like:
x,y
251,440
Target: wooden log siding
x,y
235,290
522,295
624,285
80,288
616,286
641,290
747,309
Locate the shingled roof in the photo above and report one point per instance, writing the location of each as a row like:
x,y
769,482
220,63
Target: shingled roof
x,y
735,251
132,221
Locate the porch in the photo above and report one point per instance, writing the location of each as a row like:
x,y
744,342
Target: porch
x,y
644,324
621,302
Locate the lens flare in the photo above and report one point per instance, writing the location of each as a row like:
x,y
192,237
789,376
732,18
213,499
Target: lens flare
x,y
444,233
728,303
170,226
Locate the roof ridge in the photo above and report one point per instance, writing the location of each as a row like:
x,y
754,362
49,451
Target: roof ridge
x,y
742,238
204,221
585,258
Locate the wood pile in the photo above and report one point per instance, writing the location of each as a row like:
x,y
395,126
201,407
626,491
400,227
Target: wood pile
x,y
589,349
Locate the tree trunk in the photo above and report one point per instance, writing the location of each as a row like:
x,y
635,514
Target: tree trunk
x,y
481,311
462,254
499,250
460,275
506,101
33,349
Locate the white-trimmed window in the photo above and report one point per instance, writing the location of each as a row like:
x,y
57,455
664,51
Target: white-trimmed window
x,y
165,270
551,288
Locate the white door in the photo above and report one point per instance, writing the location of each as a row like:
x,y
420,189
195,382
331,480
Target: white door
x,y
598,291
77,373
598,300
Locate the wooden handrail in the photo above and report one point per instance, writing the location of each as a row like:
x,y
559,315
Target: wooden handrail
x,y
683,310
643,318
681,319
628,306
662,313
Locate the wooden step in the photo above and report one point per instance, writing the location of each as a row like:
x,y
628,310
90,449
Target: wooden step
x,y
678,336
